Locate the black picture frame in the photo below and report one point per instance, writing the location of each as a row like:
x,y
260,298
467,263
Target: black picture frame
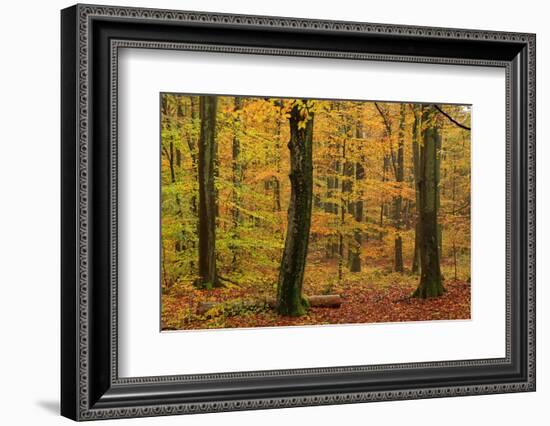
x,y
90,386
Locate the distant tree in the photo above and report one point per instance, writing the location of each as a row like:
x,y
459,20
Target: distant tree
x,y
357,210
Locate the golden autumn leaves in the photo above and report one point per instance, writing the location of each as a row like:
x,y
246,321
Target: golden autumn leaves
x,y
352,213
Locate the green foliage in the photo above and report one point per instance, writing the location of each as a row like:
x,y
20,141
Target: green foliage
x,y
252,190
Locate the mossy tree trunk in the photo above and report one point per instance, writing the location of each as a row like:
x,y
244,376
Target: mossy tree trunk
x,y
291,275
430,278
208,276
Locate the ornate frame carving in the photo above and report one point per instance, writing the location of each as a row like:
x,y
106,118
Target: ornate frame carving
x,y
84,396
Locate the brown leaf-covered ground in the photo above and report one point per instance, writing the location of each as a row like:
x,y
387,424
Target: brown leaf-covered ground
x,y
366,301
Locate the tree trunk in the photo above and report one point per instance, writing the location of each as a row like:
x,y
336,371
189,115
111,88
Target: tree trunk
x,y
355,246
192,144
415,268
430,279
453,198
398,201
276,182
438,196
236,177
291,275
416,135
382,204
345,204
208,277
330,206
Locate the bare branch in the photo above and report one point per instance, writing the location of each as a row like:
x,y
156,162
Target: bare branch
x,y
451,119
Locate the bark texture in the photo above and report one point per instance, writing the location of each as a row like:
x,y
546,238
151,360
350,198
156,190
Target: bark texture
x,y
416,138
398,200
291,275
430,278
208,276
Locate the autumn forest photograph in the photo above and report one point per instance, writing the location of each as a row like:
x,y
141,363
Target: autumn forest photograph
x,y
280,212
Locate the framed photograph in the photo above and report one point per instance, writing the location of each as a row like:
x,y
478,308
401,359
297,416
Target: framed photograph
x,y
263,212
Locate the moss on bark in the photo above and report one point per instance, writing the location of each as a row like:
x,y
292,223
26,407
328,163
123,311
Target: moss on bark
x,y
431,284
291,275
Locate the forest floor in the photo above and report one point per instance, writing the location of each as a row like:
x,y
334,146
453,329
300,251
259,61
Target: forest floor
x,y
371,296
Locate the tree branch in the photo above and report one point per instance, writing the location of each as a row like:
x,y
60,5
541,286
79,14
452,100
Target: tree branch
x,y
166,153
389,134
464,207
384,118
451,119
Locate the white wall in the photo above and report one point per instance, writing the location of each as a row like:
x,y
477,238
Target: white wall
x,y
29,213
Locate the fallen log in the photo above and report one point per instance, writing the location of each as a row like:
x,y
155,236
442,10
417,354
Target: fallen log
x,y
316,301
325,301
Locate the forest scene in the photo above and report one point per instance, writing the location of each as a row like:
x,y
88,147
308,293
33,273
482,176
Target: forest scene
x,y
281,212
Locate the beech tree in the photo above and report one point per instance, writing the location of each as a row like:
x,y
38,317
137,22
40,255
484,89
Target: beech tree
x,y
416,138
431,284
208,275
398,200
290,300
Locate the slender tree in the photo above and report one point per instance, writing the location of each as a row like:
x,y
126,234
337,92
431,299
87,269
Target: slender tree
x,y
416,137
192,145
171,111
345,189
291,274
236,177
431,284
276,181
356,209
388,161
397,200
355,246
208,276
333,183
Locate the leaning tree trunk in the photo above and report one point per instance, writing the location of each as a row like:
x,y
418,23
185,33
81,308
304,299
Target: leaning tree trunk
x,y
208,276
398,200
430,278
289,289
